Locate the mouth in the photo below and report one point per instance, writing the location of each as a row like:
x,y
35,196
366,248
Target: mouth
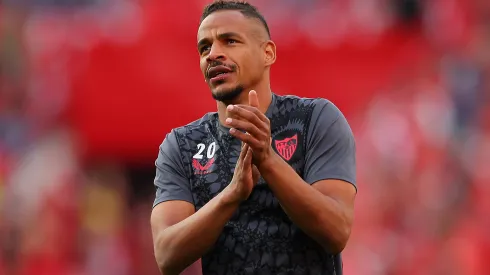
x,y
218,73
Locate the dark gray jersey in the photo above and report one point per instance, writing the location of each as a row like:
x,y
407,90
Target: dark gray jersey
x,y
197,161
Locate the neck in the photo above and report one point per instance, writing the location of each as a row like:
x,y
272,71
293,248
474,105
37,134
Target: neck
x,y
264,95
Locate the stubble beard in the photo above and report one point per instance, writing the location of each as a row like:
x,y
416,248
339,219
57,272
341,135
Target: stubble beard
x,y
229,95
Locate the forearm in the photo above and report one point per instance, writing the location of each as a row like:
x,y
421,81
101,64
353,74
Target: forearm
x,y
319,216
180,245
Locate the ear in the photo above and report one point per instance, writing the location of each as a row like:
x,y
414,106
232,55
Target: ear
x,y
270,53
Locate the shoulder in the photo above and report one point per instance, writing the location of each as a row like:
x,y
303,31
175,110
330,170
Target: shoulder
x,y
181,138
325,110
293,100
201,123
315,106
327,120
196,128
302,101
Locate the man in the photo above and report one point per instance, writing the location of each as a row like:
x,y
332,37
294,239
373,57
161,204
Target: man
x,y
264,186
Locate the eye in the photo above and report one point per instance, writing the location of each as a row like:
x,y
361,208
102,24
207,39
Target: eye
x,y
204,49
231,41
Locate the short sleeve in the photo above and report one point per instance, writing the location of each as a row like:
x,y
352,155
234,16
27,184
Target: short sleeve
x,y
330,148
171,181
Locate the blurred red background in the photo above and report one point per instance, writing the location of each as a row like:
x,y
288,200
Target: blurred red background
x,y
128,97
88,90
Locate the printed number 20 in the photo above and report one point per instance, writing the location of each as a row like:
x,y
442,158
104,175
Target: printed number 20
x,y
210,152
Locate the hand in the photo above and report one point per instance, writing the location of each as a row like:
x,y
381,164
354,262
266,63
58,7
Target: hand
x,y
256,125
245,177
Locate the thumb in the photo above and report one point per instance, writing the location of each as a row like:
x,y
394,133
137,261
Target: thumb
x,y
253,99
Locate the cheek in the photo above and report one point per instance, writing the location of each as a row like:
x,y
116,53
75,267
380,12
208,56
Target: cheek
x,y
253,68
203,66
255,61
248,65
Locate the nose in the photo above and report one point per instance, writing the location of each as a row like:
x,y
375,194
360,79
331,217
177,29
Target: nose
x,y
216,53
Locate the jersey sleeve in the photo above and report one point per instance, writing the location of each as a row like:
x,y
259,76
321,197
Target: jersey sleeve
x,y
330,147
171,181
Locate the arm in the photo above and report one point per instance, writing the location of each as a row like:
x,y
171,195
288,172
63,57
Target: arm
x,y
181,235
163,216
325,209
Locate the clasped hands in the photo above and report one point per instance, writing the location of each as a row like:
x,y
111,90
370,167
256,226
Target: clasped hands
x,y
248,124
257,135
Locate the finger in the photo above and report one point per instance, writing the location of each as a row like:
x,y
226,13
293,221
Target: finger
x,y
245,146
253,99
229,112
246,138
243,152
241,112
246,126
255,111
248,157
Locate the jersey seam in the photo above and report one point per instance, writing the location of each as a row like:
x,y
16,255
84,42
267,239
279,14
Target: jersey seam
x,y
313,126
310,121
186,168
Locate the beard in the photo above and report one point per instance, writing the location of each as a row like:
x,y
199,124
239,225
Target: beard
x,y
228,95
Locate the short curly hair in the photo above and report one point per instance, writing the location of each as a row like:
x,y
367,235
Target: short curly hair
x,y
245,8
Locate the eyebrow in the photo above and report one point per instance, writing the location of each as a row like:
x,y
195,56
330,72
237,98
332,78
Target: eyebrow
x,y
221,36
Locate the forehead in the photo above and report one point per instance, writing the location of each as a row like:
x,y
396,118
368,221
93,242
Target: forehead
x,y
224,22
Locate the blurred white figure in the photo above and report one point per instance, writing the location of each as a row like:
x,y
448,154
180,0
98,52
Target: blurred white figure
x,y
41,172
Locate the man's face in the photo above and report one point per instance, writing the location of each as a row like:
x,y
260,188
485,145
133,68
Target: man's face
x,y
231,53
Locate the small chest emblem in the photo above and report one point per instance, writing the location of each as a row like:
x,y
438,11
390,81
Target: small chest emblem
x,y
200,169
287,146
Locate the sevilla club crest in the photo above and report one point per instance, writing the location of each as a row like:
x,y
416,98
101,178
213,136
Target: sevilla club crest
x,y
287,146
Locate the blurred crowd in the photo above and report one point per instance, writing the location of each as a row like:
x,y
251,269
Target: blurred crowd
x,y
423,148
422,151
423,139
